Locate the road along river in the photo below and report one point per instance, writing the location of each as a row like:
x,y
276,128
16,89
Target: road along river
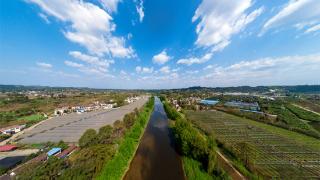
x,y
156,157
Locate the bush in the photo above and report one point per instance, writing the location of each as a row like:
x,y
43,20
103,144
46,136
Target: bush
x,y
88,138
104,134
171,111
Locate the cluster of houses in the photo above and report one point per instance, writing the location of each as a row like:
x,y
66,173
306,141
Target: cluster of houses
x,y
81,109
184,102
254,107
131,99
56,151
92,107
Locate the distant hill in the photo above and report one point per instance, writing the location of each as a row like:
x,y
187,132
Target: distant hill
x,y
244,89
249,89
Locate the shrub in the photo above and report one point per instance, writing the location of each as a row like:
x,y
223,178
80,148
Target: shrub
x,y
89,137
104,134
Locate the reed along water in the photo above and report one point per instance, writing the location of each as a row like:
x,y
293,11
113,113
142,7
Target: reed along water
x,y
156,157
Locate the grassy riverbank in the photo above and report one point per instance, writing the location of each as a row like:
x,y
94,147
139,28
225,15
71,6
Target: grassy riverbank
x,y
198,150
118,165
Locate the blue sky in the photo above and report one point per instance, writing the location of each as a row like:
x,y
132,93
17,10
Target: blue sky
x,y
159,44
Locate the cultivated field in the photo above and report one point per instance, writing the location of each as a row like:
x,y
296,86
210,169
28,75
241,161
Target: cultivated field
x,y
269,151
69,128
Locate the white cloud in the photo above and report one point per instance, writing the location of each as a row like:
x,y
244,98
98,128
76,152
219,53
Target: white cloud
x,y
195,60
139,8
209,67
87,25
124,75
122,72
44,65
267,71
110,5
93,60
299,13
313,29
219,20
138,69
165,70
145,70
93,65
73,64
161,58
192,72
176,70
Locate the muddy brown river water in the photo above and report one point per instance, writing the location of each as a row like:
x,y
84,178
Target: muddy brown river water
x,y
156,157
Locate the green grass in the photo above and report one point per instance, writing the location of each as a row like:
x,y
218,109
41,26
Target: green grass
x,y
303,114
194,170
118,165
34,117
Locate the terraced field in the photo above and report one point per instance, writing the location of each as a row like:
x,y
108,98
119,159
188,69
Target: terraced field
x,y
269,151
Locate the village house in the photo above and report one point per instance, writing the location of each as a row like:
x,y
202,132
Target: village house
x,y
12,129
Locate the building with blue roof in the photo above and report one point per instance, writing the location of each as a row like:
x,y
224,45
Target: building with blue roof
x,y
54,151
208,102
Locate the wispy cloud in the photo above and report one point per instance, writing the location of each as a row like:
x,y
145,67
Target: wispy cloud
x,y
44,65
44,17
110,5
267,71
298,13
165,70
140,10
73,64
146,70
195,60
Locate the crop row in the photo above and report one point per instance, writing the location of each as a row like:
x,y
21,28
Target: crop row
x,y
263,152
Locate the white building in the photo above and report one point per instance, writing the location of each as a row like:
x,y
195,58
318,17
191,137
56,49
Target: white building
x,y
12,129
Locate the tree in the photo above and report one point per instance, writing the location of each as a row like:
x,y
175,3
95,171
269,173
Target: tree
x,y
128,120
88,138
104,134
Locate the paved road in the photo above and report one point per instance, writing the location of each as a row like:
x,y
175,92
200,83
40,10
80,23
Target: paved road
x,y
10,159
69,128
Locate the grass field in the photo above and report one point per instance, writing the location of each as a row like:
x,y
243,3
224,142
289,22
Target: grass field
x,y
34,117
311,105
266,150
303,114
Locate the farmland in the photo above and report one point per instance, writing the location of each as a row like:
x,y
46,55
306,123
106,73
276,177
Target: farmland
x,y
21,108
265,150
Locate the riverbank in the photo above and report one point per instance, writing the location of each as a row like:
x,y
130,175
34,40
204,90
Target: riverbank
x,y
118,165
156,157
201,158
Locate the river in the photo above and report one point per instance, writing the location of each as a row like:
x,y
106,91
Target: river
x,y
156,157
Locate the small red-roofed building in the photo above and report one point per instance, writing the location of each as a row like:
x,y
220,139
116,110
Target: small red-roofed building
x,y
6,148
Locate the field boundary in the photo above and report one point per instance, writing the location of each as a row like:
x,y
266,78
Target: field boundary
x,y
232,171
306,109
